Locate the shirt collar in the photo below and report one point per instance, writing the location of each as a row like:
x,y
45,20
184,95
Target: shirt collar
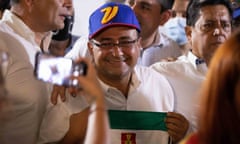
x,y
135,82
192,58
197,62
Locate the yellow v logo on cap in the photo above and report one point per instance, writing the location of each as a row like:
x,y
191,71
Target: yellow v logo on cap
x,y
110,13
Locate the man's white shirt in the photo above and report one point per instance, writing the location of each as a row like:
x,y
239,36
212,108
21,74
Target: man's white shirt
x,y
186,78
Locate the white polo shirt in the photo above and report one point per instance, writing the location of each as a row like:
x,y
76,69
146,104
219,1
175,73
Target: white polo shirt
x,y
149,91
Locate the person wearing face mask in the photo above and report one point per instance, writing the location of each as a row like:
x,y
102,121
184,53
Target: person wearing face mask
x,y
63,40
175,26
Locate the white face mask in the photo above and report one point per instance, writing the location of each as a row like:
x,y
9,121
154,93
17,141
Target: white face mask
x,y
175,29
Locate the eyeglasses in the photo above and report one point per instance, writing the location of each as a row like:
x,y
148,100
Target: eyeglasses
x,y
110,45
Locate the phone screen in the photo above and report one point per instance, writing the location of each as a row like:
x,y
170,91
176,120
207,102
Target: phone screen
x,y
53,69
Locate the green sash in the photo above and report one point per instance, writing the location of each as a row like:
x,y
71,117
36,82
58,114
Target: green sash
x,y
137,120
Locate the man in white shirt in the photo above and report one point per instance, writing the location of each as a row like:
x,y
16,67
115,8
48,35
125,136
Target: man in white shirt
x,y
114,46
208,26
25,28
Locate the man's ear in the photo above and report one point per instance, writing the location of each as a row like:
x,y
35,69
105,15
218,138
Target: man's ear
x,y
138,44
164,17
188,31
90,48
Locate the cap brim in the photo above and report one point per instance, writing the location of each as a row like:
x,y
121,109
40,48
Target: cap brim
x,y
113,25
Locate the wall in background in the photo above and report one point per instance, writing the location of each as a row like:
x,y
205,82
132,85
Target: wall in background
x,y
83,9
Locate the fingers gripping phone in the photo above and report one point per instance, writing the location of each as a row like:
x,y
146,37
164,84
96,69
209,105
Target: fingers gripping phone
x,y
58,70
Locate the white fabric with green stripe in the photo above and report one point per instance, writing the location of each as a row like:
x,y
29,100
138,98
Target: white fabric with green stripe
x,y
138,127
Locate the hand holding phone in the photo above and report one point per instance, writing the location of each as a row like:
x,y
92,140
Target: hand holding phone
x,y
88,81
58,70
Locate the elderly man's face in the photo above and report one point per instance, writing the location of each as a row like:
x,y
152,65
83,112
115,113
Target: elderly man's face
x,y
49,14
211,29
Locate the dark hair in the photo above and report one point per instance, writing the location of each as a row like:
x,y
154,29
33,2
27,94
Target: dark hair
x,y
165,4
4,4
195,6
219,117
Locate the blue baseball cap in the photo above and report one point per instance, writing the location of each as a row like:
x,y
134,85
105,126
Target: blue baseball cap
x,y
112,14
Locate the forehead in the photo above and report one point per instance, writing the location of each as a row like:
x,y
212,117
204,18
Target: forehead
x,y
180,5
117,33
148,2
215,12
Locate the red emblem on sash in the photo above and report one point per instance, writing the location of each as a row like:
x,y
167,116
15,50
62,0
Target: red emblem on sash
x,y
128,138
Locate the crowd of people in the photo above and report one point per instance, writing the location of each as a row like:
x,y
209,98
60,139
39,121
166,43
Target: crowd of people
x,y
157,72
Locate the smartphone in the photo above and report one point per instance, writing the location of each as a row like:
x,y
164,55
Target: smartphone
x,y
57,70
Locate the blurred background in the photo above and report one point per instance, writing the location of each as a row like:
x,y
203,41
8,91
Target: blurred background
x,y
83,9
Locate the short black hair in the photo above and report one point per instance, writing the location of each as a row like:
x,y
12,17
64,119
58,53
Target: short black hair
x,y
165,4
194,7
4,4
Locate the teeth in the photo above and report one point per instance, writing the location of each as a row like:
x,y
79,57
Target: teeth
x,y
120,59
117,60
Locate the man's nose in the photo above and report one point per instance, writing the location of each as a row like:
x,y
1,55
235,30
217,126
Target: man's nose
x,y
117,51
216,31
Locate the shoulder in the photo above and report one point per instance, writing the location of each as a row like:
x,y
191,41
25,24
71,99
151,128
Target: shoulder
x,y
80,43
81,40
143,72
147,74
172,68
8,40
79,48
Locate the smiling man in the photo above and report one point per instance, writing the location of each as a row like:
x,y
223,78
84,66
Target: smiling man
x,y
114,46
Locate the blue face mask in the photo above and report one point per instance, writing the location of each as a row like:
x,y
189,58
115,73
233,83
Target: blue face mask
x,y
175,29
